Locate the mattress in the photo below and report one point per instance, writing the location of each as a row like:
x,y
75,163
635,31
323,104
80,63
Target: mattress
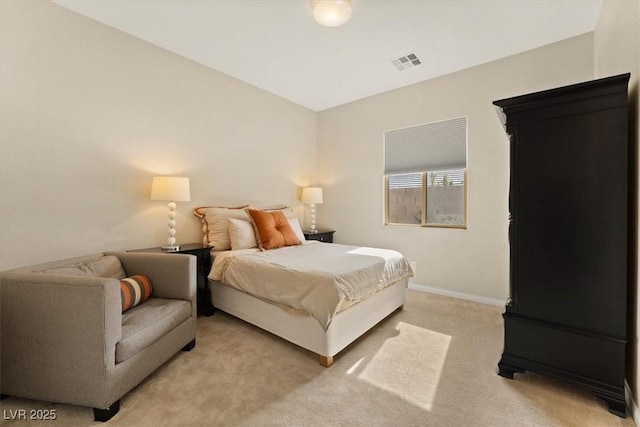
x,y
318,279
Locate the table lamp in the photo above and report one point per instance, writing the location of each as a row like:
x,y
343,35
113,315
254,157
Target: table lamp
x,y
173,189
312,195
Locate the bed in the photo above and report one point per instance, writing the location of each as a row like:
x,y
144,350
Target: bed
x,y
319,296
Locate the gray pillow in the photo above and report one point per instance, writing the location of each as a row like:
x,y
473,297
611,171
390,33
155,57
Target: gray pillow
x,y
106,266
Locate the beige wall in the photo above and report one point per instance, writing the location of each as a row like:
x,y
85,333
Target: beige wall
x,y
90,114
350,164
617,50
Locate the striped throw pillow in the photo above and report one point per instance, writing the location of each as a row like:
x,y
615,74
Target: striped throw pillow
x,y
134,290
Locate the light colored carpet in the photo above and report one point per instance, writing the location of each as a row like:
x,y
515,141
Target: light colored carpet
x,y
432,364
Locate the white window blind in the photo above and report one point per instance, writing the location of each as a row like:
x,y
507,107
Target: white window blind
x,y
407,180
433,146
434,179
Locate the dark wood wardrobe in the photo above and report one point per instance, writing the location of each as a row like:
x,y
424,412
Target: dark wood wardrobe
x,y
568,230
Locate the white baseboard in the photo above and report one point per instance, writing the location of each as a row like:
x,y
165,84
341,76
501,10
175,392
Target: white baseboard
x,y
459,295
631,404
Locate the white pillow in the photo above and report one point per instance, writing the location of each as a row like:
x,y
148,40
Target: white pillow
x,y
241,234
295,224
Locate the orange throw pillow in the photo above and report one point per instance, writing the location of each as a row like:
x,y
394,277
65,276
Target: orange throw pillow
x,y
272,229
134,290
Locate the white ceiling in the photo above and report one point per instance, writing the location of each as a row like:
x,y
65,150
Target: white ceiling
x,y
277,46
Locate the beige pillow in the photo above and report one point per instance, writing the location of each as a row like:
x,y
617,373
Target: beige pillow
x,y
241,234
215,227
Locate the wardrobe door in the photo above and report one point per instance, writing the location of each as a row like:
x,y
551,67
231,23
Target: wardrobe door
x,y
572,220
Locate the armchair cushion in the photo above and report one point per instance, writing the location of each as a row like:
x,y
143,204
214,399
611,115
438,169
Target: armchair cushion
x,y
146,323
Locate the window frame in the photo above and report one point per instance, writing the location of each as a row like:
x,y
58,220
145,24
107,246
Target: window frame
x,y
423,222
443,136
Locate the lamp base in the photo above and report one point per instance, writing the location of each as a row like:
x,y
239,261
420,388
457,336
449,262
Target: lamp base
x,y
172,248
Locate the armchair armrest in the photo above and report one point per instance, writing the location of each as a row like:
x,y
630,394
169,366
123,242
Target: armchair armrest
x,y
172,276
55,325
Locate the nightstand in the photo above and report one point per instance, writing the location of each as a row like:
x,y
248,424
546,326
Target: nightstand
x,y
203,255
321,235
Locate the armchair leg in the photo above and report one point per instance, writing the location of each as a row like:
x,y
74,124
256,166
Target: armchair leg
x,y
104,415
189,346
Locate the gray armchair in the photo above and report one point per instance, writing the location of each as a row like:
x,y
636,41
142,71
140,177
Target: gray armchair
x,y
65,339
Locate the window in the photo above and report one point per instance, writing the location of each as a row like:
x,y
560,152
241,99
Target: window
x,y
426,174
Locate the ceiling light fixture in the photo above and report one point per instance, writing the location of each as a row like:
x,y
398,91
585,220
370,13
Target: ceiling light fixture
x,y
331,13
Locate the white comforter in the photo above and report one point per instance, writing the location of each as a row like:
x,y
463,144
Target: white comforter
x,y
319,278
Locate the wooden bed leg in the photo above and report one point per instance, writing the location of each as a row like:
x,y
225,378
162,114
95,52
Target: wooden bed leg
x,y
326,361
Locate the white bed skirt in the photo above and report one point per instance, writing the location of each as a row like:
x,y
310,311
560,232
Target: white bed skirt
x,y
305,331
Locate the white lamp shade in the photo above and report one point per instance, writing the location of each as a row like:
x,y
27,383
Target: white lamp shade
x,y
170,188
331,13
312,195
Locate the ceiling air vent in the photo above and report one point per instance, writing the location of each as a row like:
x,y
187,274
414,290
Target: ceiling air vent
x,y
407,61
